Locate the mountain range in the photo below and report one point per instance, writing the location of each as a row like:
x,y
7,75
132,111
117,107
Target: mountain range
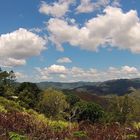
x,y
117,87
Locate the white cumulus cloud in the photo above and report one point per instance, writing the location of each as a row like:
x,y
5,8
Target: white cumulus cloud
x,y
61,73
56,69
20,75
56,9
114,28
64,60
87,6
17,46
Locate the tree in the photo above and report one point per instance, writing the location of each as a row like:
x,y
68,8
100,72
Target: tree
x,y
122,108
53,103
4,75
88,111
12,77
72,99
7,83
28,94
1,90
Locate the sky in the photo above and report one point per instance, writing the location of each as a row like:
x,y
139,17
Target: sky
x,y
70,40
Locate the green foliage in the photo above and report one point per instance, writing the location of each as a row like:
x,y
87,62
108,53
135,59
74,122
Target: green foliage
x,y
1,90
58,125
135,96
9,106
7,81
122,108
27,122
136,125
53,124
131,136
4,76
59,107
53,103
80,134
9,91
88,111
72,99
15,136
2,109
28,94
36,126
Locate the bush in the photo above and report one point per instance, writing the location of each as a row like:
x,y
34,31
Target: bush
x,y
88,111
2,109
15,136
131,136
10,106
80,134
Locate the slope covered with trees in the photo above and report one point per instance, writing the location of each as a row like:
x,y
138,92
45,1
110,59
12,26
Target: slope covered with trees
x,y
117,87
26,112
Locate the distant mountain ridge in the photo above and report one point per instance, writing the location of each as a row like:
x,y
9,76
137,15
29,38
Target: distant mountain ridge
x,y
118,87
61,85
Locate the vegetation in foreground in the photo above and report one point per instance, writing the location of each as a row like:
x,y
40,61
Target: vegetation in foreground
x,y
27,113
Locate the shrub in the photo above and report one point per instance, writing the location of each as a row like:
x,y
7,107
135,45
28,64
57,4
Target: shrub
x,y
10,106
88,111
136,125
58,125
131,136
15,136
80,134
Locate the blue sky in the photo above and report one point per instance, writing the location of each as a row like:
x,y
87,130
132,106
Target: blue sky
x,y
70,40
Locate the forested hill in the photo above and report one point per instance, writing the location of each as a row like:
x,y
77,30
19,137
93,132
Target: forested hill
x,y
118,87
60,85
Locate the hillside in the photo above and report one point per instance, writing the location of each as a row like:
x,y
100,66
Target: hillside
x,y
60,85
117,87
28,113
18,123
